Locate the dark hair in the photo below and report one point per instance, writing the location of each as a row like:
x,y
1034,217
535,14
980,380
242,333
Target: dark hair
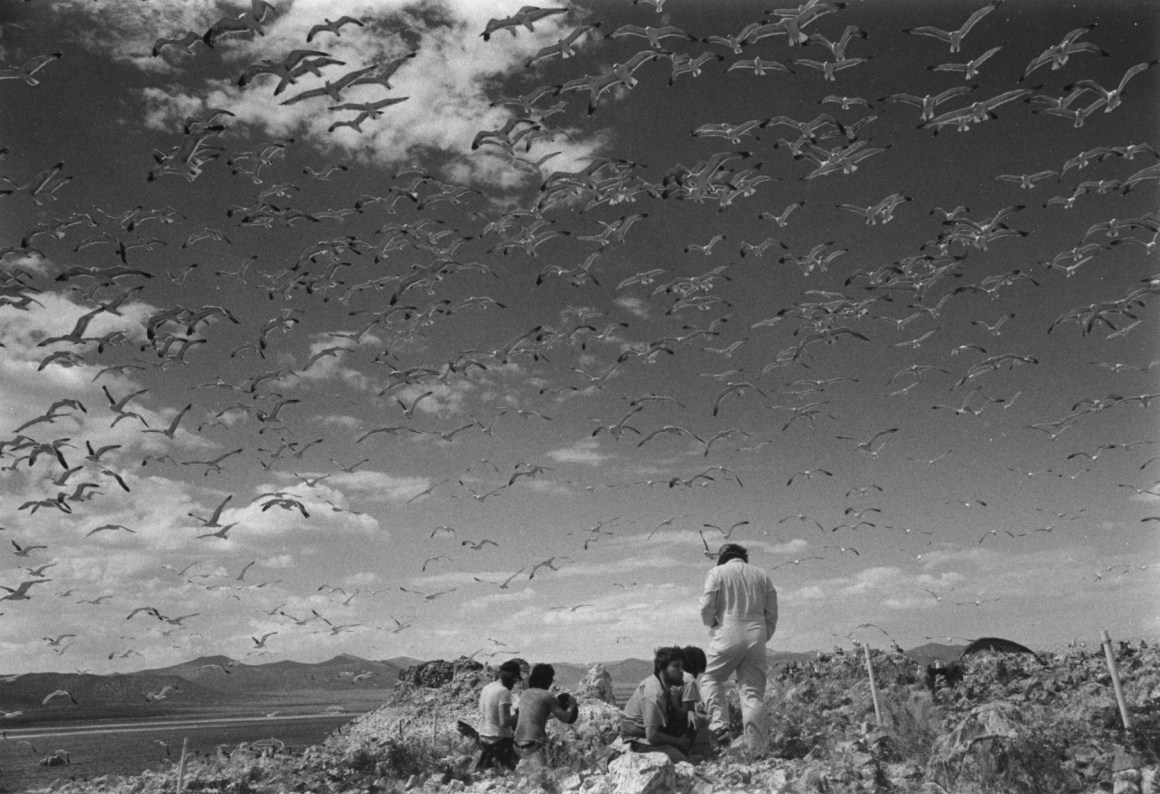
x,y
541,676
732,551
511,670
663,657
694,659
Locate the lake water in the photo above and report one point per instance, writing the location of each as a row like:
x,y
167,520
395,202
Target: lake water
x,y
129,748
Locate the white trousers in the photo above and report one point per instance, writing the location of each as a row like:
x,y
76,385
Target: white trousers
x,y
737,648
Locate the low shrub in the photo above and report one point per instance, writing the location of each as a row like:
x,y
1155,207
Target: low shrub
x,y
911,722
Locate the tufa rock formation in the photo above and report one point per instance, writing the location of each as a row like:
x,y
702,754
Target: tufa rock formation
x,y
642,773
438,673
596,685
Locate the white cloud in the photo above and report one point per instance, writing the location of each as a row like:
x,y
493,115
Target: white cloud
x,y
445,83
489,602
586,451
634,306
30,261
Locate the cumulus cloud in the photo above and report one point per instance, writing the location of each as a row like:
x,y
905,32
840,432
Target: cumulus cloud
x,y
379,486
586,451
488,602
444,80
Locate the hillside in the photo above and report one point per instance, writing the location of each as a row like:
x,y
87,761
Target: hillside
x,y
219,682
208,682
223,674
1014,724
933,651
29,690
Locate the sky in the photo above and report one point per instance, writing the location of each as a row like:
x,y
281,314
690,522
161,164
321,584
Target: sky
x,y
488,353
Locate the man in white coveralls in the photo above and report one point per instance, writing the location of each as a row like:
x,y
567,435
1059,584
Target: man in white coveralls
x,y
739,605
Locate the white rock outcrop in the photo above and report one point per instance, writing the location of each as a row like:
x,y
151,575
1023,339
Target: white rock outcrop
x,y
642,773
596,685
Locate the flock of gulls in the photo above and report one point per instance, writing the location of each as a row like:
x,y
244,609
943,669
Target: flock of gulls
x,y
690,322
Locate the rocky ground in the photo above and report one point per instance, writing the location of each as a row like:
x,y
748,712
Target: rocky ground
x,y
1014,724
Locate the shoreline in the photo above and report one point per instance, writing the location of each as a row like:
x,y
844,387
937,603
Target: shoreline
x,y
137,726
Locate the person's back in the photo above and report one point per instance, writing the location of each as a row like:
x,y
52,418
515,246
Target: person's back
x,y
493,723
537,705
497,719
739,605
743,593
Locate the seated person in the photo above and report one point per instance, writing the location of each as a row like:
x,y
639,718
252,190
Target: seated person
x,y
496,729
652,721
688,695
536,706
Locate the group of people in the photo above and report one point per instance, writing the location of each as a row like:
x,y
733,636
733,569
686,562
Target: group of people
x,y
511,728
680,710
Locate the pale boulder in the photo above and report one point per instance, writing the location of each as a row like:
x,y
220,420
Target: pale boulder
x,y
642,773
596,685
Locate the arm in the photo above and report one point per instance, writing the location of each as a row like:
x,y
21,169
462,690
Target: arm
x,y
658,737
690,697
709,600
507,717
654,729
566,715
770,611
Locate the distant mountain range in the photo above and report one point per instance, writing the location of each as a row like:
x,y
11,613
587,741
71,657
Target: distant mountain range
x,y
220,680
205,681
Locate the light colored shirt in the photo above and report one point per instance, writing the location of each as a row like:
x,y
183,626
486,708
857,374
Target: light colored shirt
x,y
536,706
690,691
738,592
650,706
491,701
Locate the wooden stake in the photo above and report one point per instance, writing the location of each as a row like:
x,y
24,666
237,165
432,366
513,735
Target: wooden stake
x,y
873,686
181,766
1107,643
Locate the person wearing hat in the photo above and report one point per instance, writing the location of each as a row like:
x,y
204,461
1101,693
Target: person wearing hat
x,y
739,605
497,728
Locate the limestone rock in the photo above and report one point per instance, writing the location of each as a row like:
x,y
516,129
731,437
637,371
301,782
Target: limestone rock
x,y
990,720
596,685
642,773
979,735
431,674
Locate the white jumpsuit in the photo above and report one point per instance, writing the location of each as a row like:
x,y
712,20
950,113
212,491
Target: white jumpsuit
x,y
739,605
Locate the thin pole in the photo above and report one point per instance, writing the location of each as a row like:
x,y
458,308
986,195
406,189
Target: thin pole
x,y
1107,643
181,766
873,685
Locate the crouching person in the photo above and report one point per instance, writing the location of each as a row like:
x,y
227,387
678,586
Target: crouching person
x,y
496,731
536,706
688,698
653,721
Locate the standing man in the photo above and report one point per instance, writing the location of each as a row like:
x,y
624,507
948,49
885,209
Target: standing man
x,y
496,731
739,605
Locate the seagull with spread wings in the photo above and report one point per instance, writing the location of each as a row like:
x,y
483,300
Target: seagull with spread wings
x,y
970,69
332,26
505,583
526,16
868,444
954,37
429,596
549,563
